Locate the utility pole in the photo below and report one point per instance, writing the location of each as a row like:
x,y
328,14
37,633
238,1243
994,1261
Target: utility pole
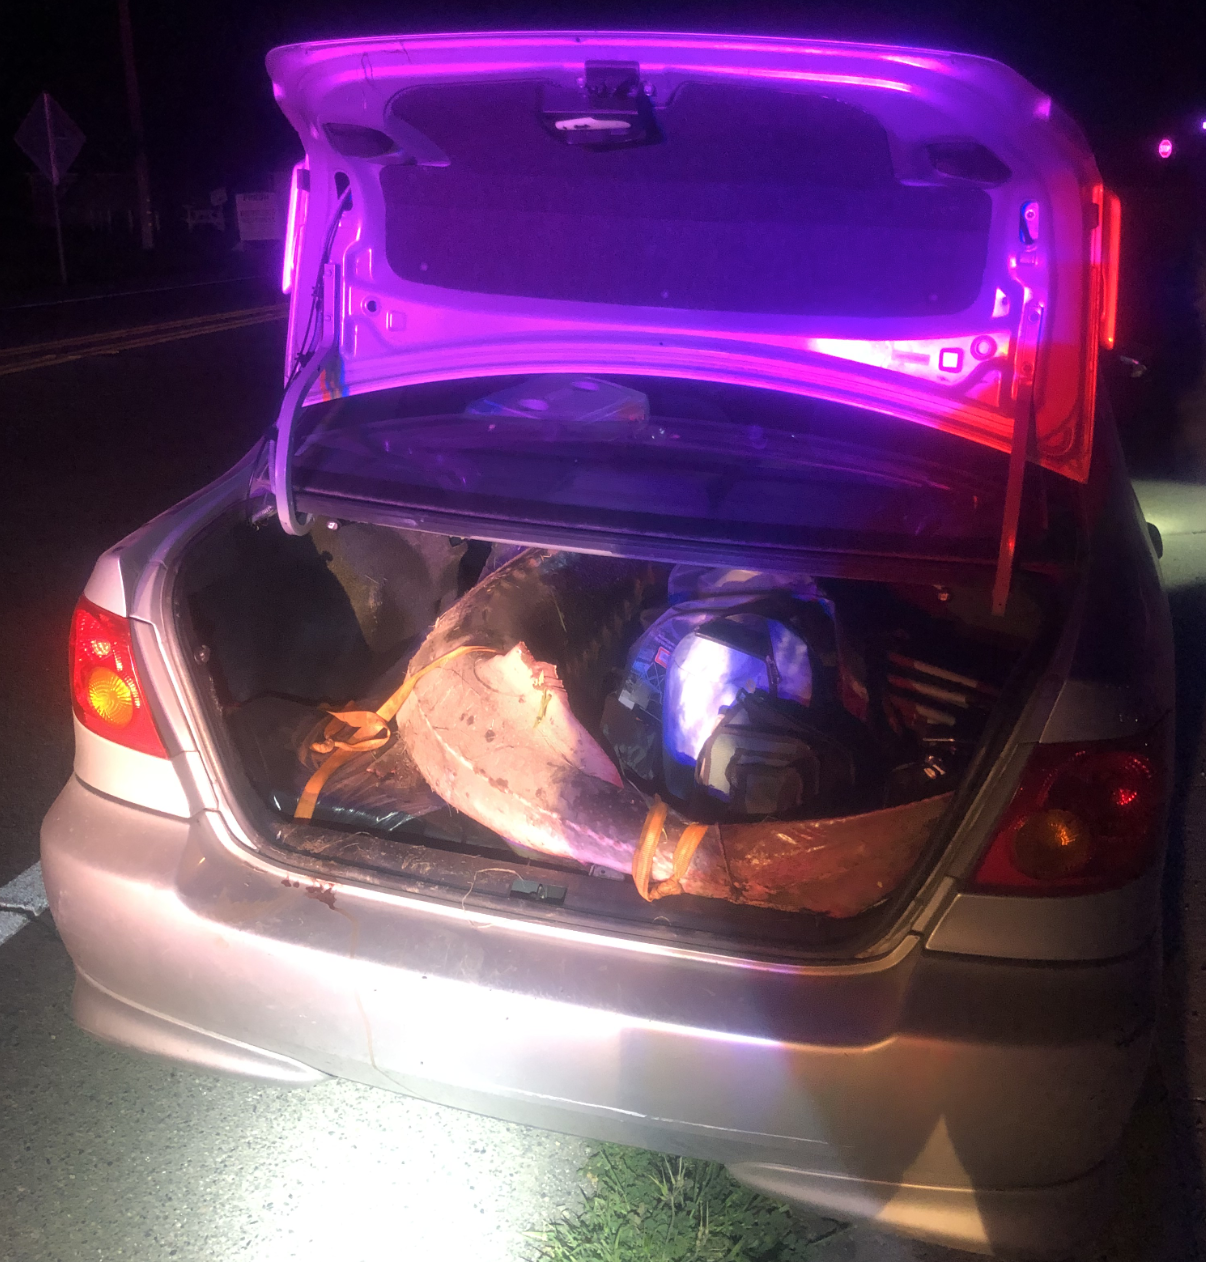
x,y
55,176
145,215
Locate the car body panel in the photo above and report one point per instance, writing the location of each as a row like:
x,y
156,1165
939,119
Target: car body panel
x,y
1048,1222
1089,926
710,1056
117,1021
129,774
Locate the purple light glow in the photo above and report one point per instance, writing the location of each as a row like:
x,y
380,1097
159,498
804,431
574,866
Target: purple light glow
x,y
952,373
293,226
918,357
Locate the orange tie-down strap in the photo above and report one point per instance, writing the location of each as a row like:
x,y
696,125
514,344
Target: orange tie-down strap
x,y
371,730
684,852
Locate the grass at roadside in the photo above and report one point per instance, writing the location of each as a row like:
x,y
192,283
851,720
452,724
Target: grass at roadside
x,y
645,1207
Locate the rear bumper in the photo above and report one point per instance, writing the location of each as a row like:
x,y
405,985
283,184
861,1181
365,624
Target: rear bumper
x,y
966,1101
115,1020
1039,1223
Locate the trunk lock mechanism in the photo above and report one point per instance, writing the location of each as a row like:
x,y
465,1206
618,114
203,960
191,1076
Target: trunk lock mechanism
x,y
609,107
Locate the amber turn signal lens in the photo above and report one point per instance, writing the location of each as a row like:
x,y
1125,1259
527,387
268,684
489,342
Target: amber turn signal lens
x,y
1052,844
110,696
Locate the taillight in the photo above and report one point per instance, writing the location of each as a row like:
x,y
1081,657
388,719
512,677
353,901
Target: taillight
x,y
1111,248
106,693
1084,818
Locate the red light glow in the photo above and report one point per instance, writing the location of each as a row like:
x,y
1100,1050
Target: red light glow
x,y
1108,794
294,224
928,358
1110,253
106,693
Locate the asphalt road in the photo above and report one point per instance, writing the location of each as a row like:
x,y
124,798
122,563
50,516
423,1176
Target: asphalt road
x,y
104,1155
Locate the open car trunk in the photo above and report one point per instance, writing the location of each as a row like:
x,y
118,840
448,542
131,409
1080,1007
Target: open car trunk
x,y
793,750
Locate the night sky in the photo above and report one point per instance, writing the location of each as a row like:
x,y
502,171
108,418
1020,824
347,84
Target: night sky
x,y
1128,72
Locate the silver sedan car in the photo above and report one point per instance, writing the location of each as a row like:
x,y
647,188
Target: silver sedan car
x,y
686,665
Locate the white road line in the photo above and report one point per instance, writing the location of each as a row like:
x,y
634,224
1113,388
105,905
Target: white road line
x,y
68,350
26,892
131,293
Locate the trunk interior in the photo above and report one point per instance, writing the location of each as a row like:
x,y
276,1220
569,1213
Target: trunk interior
x,y
744,700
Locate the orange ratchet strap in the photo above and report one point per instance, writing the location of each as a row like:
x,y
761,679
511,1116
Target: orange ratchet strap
x,y
372,731
684,852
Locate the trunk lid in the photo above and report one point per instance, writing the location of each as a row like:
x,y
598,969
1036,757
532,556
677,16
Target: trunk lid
x,y
919,233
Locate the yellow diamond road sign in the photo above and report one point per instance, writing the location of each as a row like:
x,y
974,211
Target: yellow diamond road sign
x,y
49,138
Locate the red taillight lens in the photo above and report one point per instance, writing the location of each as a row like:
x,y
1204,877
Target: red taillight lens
x,y
1084,818
1110,253
106,693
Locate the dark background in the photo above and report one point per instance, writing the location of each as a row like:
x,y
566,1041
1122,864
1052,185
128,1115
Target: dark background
x,y
1130,73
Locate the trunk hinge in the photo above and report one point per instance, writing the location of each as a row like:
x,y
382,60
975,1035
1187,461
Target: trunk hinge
x,y
1023,435
310,365
318,356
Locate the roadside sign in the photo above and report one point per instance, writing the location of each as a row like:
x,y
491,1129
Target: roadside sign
x,y
207,216
257,217
49,138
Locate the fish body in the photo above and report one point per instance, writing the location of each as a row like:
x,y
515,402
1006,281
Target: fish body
x,y
506,735
573,611
495,737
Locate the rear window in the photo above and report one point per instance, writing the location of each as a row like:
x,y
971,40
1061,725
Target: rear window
x,y
748,199
676,459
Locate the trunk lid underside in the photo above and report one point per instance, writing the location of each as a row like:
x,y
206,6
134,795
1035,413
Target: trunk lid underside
x,y
918,232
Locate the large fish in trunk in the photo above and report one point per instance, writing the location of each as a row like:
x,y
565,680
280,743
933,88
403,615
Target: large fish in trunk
x,y
504,697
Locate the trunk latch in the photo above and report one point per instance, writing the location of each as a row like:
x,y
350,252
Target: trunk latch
x,y
607,108
537,891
